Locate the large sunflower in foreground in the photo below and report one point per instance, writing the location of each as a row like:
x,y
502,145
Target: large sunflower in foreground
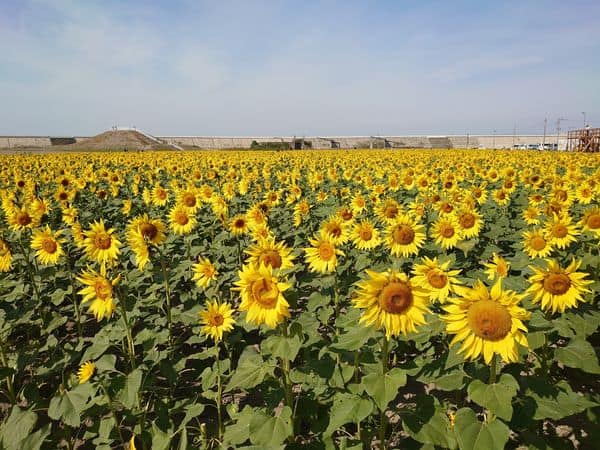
x,y
405,236
101,244
216,319
141,233
391,301
487,322
47,245
262,295
98,291
562,231
557,289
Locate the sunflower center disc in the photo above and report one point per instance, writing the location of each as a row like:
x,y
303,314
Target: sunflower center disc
x,y
148,230
325,251
437,279
217,320
49,245
271,258
447,231
23,219
557,283
189,200
593,221
181,218
102,241
396,298
537,243
390,211
559,230
403,235
467,220
365,235
103,289
489,320
265,293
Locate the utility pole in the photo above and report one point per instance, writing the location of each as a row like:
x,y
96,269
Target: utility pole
x,y
584,121
544,140
558,129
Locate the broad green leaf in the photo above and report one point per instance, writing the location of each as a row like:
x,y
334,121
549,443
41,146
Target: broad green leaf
x,y
579,354
347,408
282,347
251,371
496,397
384,388
271,431
129,394
472,434
160,439
35,440
354,339
238,432
557,401
67,406
17,427
428,423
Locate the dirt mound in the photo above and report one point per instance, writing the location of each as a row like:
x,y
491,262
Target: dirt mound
x,y
116,140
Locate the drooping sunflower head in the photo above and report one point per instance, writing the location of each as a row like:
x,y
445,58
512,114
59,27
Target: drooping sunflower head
x,y
391,301
216,319
487,322
557,288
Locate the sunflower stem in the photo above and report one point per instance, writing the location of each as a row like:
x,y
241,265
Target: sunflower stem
x,y
219,395
30,270
336,301
73,296
112,410
289,396
163,267
9,379
493,368
382,416
130,346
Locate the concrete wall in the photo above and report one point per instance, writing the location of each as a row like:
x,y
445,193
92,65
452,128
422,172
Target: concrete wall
x,y
324,142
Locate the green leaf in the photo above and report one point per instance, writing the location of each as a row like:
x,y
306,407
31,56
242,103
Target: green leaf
x,y
496,397
250,372
354,339
68,405
472,434
129,394
269,431
347,408
579,354
556,401
428,423
17,427
239,431
282,347
34,441
160,439
384,388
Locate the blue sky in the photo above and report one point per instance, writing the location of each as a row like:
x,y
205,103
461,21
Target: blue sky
x,y
75,67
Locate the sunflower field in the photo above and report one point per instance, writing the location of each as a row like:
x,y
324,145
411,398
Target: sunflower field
x,y
307,299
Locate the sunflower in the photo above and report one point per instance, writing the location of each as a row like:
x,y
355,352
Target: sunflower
x,y
70,215
470,223
98,291
159,196
447,231
85,372
5,257
322,255
405,236
365,236
271,253
301,210
391,301
204,272
561,231
531,215
22,218
181,221
126,207
498,268
591,220
585,194
216,319
47,245
238,225
189,198
557,289
101,244
438,280
336,230
536,244
262,295
358,204
141,233
388,211
486,322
